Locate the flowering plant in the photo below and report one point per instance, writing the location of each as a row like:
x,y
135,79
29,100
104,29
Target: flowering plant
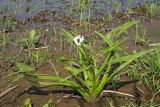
x,y
90,77
78,39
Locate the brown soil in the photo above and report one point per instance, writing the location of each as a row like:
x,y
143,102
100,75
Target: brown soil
x,y
40,95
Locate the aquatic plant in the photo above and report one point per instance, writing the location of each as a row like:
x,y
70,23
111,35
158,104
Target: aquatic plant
x,y
117,6
5,40
110,17
30,40
36,52
86,74
130,6
78,39
80,9
140,35
8,24
152,10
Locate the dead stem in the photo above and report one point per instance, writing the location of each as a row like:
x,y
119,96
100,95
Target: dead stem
x,y
8,90
116,92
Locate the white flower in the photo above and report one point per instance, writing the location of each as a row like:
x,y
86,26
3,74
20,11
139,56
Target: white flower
x,y
46,30
78,39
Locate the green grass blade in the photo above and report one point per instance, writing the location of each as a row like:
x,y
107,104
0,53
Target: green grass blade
x,y
121,29
72,86
104,80
103,65
12,74
126,58
114,47
130,59
68,35
44,76
107,78
14,81
107,40
76,71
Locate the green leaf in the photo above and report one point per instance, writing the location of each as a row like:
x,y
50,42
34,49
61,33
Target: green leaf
x,y
128,61
103,65
121,29
76,71
104,80
89,48
46,105
63,58
25,68
27,103
71,85
44,76
107,40
32,34
50,103
22,40
68,35
57,80
132,57
113,47
15,80
11,74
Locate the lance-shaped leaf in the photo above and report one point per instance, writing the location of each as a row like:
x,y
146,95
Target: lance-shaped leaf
x,y
24,68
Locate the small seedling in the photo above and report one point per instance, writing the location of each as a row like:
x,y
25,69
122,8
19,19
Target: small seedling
x,y
152,10
36,52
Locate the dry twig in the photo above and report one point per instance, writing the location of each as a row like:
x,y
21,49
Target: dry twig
x,y
116,92
8,90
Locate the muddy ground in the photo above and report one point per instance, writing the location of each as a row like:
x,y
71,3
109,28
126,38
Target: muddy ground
x,y
61,96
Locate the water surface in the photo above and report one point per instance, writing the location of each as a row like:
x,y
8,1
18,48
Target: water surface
x,y
28,8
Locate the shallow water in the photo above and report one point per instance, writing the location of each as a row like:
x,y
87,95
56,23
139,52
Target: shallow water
x,y
28,8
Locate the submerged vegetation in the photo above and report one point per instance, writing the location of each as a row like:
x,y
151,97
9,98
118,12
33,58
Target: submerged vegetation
x,y
81,53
